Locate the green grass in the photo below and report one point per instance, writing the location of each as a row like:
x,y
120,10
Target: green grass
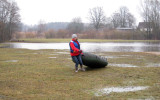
x,y
82,40
37,77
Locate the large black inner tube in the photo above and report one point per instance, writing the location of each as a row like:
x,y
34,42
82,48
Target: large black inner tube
x,y
94,61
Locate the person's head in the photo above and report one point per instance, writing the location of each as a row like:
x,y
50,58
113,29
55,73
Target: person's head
x,y
74,36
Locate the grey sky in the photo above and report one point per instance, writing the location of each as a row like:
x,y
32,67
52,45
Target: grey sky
x,y
32,11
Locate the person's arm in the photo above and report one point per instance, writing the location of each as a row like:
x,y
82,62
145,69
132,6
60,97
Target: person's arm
x,y
74,48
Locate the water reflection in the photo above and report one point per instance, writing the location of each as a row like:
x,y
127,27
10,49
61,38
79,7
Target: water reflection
x,y
37,46
94,47
122,47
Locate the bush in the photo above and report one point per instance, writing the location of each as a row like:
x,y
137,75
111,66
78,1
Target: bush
x,y
30,35
50,34
18,35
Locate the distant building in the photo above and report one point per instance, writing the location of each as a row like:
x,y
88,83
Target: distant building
x,y
125,29
145,26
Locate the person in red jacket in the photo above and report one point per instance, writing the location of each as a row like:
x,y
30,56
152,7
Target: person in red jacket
x,y
76,52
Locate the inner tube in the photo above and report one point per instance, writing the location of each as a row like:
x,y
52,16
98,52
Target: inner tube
x,y
94,61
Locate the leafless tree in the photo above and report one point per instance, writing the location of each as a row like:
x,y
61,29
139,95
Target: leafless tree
x,y
108,24
76,26
14,19
146,14
150,11
41,28
131,20
123,18
9,19
97,17
116,20
4,13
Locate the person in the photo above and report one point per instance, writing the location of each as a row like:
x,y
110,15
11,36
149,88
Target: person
x,y
76,52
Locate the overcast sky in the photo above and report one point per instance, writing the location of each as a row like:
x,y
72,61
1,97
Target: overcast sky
x,y
32,11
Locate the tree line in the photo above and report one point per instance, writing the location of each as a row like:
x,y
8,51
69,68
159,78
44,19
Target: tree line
x,y
100,26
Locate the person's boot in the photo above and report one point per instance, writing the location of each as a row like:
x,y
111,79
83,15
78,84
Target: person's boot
x,y
82,69
76,70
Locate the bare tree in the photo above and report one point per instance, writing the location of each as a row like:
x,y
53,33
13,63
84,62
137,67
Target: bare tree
x,y
131,20
115,20
145,14
41,28
97,17
4,13
76,26
123,18
155,18
9,19
150,11
14,19
108,24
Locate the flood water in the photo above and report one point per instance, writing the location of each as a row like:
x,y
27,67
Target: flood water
x,y
119,89
94,47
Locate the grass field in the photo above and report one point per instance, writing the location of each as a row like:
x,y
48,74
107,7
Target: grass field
x,y
49,75
35,40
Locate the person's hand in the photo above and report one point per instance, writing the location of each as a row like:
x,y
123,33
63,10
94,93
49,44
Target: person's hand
x,y
82,54
80,51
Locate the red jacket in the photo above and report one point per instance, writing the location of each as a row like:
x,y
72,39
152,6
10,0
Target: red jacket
x,y
76,51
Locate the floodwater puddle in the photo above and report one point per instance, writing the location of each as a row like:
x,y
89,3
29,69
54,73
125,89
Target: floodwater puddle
x,y
11,61
53,57
109,90
126,55
111,57
123,65
153,65
123,56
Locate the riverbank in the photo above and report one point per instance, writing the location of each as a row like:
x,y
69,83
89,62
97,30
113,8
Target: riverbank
x,y
49,74
35,40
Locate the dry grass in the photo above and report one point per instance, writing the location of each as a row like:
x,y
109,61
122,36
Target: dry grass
x,y
37,77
